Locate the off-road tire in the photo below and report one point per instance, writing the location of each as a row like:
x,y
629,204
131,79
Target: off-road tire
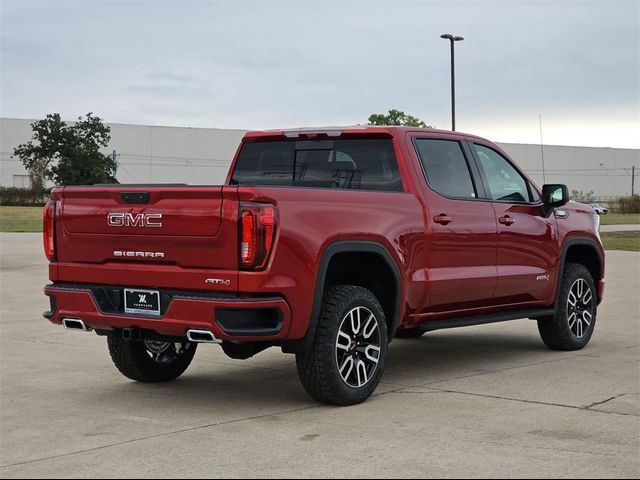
x,y
555,330
134,362
319,370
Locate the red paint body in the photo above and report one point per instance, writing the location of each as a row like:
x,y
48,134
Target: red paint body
x,y
473,264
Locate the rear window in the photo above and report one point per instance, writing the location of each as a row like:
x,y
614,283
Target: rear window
x,y
446,167
358,164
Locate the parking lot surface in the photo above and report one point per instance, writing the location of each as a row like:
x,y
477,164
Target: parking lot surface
x,y
486,401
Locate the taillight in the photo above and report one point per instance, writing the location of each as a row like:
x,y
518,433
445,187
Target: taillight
x,y
48,230
257,234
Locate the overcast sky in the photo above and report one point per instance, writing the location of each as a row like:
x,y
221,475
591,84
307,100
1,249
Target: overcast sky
x,y
262,65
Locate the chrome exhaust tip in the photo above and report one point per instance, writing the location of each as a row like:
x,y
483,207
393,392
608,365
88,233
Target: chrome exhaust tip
x,y
75,324
201,336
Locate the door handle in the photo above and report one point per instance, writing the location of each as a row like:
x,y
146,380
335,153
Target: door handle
x,y
442,219
506,220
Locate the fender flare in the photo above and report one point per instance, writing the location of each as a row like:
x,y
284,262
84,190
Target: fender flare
x,y
568,243
341,246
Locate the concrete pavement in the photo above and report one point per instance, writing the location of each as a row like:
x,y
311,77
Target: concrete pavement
x,y
487,401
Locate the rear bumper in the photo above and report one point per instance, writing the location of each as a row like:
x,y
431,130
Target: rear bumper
x,y
229,317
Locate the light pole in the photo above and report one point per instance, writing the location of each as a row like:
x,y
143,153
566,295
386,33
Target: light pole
x,y
452,39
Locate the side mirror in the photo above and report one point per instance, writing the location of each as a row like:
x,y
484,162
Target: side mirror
x,y
554,195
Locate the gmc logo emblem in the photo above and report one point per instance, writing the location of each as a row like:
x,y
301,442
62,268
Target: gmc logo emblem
x,y
122,219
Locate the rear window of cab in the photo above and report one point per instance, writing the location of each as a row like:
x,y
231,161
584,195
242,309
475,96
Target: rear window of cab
x,y
351,164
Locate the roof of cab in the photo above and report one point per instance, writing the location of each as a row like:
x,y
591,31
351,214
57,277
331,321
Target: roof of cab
x,y
337,131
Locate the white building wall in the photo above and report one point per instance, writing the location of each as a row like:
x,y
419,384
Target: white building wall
x,y
12,134
605,171
201,156
197,156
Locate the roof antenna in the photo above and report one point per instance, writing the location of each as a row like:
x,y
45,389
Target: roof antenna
x,y
544,178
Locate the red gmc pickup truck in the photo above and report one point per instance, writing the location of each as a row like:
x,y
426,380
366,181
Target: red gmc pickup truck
x,y
327,243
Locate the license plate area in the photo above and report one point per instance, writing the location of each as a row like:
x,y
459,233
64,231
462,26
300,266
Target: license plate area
x,y
139,301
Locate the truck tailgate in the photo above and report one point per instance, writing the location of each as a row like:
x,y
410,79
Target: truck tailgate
x,y
188,227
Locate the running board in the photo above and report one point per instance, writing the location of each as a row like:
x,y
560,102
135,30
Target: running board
x,y
430,325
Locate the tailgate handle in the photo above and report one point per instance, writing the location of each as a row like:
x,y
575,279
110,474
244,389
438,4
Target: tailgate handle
x,y
135,197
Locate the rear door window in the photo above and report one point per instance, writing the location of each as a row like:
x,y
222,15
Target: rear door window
x,y
357,164
446,167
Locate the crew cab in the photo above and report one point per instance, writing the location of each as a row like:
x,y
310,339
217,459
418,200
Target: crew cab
x,y
327,243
